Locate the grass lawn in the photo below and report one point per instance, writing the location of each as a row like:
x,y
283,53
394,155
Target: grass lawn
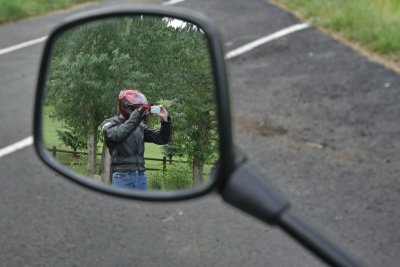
x,y
11,10
153,151
372,24
49,132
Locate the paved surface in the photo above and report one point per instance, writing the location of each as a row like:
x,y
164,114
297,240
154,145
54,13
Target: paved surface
x,y
318,119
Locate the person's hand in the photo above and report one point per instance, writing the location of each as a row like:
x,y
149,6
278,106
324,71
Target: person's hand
x,y
143,108
163,113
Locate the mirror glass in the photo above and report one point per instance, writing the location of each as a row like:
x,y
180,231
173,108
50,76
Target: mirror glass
x,y
130,102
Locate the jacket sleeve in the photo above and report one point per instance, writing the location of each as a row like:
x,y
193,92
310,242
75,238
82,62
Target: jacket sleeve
x,y
161,136
115,132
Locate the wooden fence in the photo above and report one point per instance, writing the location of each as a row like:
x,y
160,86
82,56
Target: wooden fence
x,y
164,159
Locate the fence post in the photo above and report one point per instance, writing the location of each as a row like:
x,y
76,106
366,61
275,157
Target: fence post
x,y
54,152
164,163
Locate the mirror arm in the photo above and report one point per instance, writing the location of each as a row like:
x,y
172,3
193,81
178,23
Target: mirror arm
x,y
248,190
315,241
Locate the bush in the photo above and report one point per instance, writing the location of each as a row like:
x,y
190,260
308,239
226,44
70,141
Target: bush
x,y
176,177
18,9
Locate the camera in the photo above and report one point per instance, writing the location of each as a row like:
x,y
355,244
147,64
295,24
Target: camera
x,y
155,109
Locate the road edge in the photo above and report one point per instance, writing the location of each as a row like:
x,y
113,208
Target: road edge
x,y
357,47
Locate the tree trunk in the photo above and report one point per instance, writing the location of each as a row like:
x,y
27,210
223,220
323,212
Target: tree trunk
x,y
105,165
197,168
91,152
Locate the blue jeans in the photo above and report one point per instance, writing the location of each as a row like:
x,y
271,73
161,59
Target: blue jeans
x,y
130,179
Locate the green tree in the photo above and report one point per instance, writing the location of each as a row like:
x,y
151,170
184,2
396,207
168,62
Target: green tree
x,y
71,139
86,75
194,105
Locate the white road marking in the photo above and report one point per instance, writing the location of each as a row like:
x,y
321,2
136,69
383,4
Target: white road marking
x,y
234,53
22,45
17,146
250,46
172,2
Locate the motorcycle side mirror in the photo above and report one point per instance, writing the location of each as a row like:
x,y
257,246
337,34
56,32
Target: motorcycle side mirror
x,y
171,56
174,57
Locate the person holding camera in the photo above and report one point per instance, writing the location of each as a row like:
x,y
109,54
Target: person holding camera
x,y
126,134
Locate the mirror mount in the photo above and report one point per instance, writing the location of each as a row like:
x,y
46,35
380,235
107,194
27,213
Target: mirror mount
x,y
248,190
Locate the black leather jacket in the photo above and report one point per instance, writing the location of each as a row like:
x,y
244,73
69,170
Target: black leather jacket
x,y
125,140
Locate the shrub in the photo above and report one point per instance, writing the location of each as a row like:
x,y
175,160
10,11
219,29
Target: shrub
x,y
176,177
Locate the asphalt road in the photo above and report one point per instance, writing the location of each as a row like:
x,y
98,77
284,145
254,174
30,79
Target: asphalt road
x,y
319,120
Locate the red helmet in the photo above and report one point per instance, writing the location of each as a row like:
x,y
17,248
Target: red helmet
x,y
129,100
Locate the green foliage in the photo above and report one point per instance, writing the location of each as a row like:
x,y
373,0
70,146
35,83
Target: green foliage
x,y
18,9
374,24
79,164
176,177
71,139
88,70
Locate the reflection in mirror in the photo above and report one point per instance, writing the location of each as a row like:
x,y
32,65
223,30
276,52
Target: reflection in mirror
x,y
129,101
